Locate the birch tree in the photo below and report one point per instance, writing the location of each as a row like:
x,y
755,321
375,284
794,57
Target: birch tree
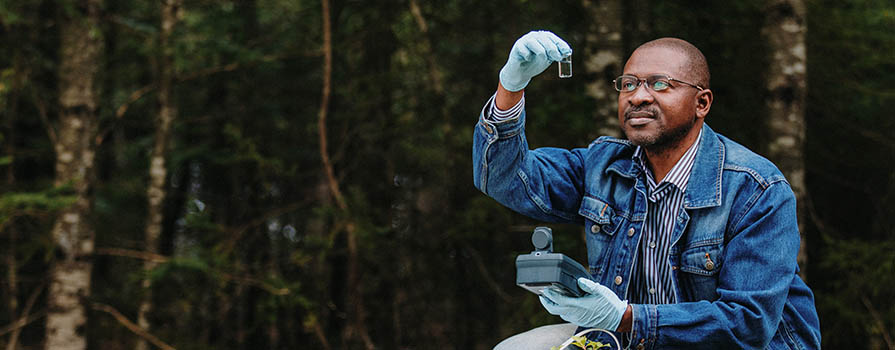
x,y
74,145
784,30
158,170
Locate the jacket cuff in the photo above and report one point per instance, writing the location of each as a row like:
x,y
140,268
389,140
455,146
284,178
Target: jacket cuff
x,y
499,129
645,318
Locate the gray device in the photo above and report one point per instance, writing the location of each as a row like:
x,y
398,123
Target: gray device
x,y
543,268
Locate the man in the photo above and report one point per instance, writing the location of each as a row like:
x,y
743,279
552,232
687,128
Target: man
x,y
691,238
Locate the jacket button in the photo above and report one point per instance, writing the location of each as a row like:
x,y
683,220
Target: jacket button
x,y
618,280
709,265
488,127
594,228
630,232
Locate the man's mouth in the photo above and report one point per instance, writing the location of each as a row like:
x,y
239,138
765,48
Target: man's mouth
x,y
638,118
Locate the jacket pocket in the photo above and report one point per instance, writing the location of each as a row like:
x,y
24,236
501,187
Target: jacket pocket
x,y
699,266
600,226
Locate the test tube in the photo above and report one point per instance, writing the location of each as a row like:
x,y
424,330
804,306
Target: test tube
x,y
565,67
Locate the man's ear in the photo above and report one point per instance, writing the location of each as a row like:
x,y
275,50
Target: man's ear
x,y
703,102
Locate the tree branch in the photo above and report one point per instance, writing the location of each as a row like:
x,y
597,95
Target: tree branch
x,y
24,320
239,231
325,91
434,69
136,254
42,113
143,91
483,270
143,255
132,326
879,321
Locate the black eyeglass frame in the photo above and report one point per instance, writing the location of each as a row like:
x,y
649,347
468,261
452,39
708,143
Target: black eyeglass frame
x,y
655,77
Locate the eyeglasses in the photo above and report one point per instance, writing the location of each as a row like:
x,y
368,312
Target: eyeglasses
x,y
658,82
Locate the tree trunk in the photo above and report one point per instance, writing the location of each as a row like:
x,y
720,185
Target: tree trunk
x,y
158,170
354,303
602,59
785,32
73,234
9,149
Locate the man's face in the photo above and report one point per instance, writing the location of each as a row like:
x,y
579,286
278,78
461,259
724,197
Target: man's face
x,y
658,120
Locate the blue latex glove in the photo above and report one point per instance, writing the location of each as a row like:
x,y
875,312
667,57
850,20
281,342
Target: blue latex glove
x,y
599,308
530,56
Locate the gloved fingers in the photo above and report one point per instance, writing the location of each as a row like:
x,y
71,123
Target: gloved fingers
x,y
533,47
552,307
561,45
558,298
589,286
520,50
551,51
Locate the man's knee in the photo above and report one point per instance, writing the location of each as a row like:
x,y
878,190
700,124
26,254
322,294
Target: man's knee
x,y
541,338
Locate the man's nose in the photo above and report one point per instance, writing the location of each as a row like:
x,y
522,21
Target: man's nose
x,y
641,95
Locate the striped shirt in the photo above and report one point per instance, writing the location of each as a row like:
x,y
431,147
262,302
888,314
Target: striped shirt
x,y
498,115
652,281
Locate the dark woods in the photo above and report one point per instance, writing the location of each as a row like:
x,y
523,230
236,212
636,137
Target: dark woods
x,y
273,174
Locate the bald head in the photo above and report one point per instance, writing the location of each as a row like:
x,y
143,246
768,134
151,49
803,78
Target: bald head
x,y
696,65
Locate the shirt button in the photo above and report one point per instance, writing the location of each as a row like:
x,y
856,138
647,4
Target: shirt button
x,y
630,232
652,244
652,290
595,228
618,280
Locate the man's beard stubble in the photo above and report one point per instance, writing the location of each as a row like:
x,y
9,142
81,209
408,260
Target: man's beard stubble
x,y
664,138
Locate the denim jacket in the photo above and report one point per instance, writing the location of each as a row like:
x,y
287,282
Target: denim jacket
x,y
735,240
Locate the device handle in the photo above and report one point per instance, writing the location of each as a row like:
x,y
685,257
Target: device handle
x,y
542,239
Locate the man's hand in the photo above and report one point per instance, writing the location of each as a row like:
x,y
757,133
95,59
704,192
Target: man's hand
x,y
530,56
600,308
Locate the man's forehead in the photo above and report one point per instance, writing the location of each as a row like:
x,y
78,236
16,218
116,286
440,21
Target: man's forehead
x,y
656,60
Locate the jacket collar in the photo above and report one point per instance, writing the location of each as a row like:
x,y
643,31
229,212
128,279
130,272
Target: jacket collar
x,y
704,187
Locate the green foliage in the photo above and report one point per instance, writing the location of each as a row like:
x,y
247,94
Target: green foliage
x,y
40,203
586,344
257,247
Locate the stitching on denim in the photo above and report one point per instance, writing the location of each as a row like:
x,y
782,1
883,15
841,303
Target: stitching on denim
x,y
510,133
483,178
538,201
534,198
593,216
755,175
702,243
788,331
654,312
602,139
747,208
721,155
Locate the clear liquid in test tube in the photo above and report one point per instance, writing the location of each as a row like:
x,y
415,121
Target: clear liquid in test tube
x,y
565,67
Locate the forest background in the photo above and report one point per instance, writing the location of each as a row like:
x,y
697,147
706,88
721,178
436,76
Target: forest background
x,y
296,174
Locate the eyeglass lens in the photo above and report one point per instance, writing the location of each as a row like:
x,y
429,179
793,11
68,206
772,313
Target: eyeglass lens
x,y
630,83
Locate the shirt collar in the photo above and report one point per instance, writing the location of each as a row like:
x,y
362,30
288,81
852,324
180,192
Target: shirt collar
x,y
679,175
